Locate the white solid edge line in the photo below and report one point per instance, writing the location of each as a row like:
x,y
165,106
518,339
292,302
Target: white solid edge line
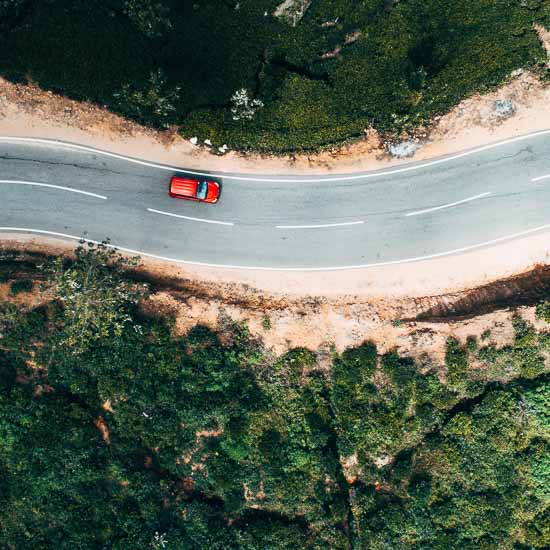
x,y
318,226
278,180
188,217
19,182
540,178
295,269
418,212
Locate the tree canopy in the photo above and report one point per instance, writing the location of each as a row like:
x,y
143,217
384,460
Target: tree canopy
x,y
114,433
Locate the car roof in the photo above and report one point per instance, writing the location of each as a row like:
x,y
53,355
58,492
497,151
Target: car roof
x,y
184,186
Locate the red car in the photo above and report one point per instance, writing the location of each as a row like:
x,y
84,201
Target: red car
x,y
194,190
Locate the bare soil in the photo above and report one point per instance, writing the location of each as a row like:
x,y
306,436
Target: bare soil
x,y
418,327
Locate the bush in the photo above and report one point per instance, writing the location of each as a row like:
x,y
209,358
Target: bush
x,y
456,360
22,285
543,311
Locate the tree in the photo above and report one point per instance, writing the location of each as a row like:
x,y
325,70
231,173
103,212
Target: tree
x,y
96,299
149,16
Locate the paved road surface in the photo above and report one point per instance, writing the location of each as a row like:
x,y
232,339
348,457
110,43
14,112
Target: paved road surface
x,y
420,210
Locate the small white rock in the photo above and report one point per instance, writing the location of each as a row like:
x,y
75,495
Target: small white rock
x,y
208,142
194,140
504,107
403,149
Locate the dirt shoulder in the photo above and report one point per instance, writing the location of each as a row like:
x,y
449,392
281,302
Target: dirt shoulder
x,y
434,277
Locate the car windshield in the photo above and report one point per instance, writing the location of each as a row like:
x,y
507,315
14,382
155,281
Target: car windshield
x,y
202,190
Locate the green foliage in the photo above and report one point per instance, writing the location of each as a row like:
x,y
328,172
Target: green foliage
x,y
456,359
134,438
468,486
21,285
471,343
97,302
394,64
149,16
543,311
524,358
486,334
381,410
153,103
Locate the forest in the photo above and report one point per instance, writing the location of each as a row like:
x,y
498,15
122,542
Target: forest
x,y
237,73
116,433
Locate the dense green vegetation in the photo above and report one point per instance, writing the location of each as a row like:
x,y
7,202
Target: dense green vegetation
x,y
394,63
116,434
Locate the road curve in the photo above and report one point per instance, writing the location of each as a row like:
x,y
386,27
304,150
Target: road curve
x,y
412,212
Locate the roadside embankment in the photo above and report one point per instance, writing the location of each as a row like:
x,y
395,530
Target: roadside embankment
x,y
415,312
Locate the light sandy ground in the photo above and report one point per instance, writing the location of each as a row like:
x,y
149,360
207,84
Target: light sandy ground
x,y
433,277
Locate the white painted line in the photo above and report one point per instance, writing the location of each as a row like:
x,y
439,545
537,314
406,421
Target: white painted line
x,y
295,269
318,226
342,177
417,213
540,178
17,182
188,217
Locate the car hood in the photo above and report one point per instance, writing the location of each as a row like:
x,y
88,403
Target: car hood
x,y
213,191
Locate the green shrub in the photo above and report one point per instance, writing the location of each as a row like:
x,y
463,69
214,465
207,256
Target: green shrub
x,y
471,343
543,311
22,285
456,360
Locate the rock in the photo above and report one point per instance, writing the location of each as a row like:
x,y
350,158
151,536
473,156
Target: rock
x,y
504,107
208,142
292,11
194,140
403,149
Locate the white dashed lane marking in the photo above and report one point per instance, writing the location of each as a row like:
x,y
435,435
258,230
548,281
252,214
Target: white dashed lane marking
x,y
418,212
319,225
60,187
189,218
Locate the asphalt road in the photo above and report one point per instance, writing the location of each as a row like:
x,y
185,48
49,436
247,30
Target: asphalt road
x,y
419,210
